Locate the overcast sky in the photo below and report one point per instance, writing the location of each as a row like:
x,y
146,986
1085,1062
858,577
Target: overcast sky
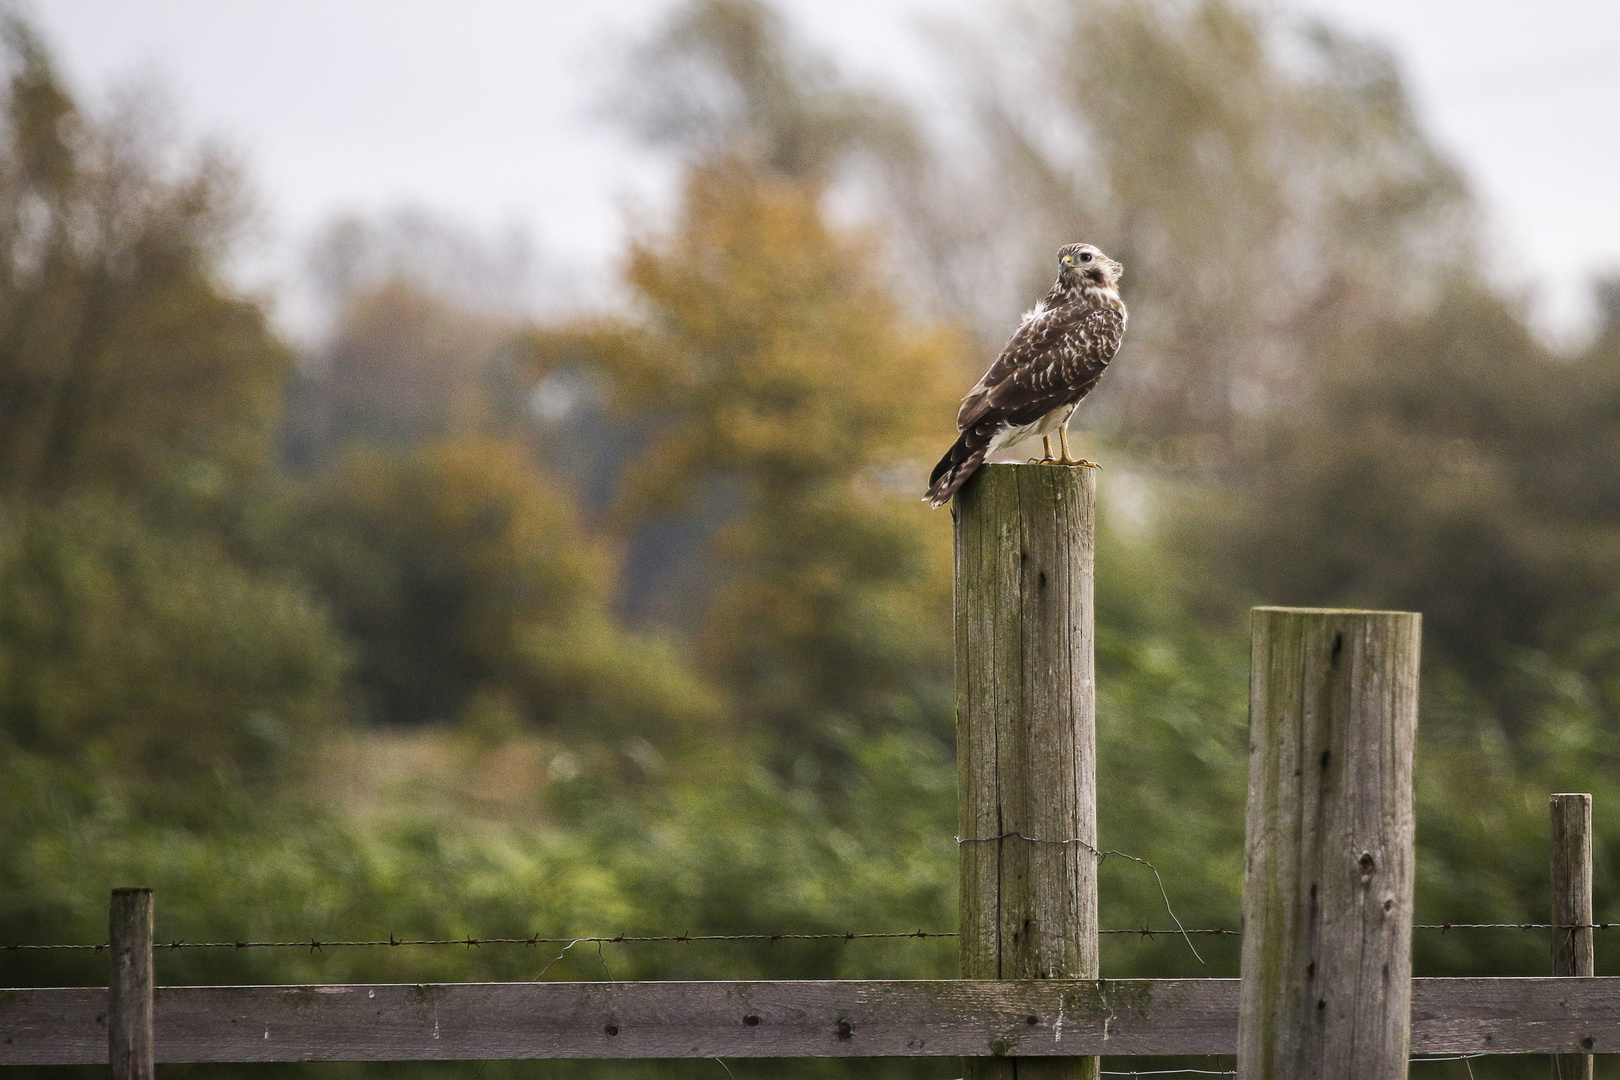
x,y
482,108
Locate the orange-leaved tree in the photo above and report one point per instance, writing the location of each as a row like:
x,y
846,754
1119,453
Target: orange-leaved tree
x,y
126,363
791,407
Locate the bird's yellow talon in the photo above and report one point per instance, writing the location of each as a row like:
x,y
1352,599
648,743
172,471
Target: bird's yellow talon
x,y
1063,437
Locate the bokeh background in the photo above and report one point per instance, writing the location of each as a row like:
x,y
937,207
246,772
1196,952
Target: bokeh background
x,y
482,498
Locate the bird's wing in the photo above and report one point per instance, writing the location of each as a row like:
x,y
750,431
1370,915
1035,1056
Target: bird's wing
x,y
1050,362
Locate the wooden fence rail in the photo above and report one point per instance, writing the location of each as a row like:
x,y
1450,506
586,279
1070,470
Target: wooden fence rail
x,y
850,1019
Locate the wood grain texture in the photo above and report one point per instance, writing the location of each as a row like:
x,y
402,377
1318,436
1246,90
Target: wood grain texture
x,y
1026,732
1572,907
1328,876
478,1021
129,990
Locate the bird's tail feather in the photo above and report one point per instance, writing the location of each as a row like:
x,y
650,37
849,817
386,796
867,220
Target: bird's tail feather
x,y
959,463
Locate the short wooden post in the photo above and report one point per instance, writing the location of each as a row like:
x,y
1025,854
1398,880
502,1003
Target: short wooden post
x,y
129,992
1572,907
1327,896
1026,735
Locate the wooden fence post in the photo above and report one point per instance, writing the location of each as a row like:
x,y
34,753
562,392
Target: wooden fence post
x,y
129,991
1572,907
1026,735
1327,897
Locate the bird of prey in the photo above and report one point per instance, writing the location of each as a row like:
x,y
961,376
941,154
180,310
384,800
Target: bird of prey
x,y
1057,354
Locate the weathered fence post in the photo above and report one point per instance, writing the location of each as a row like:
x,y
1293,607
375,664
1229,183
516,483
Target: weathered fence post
x,y
1026,735
129,991
1327,895
1572,907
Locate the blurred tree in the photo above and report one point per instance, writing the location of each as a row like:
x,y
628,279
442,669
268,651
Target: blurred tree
x,y
1448,464
125,363
471,592
491,274
774,368
419,316
733,80
1262,186
143,666
140,664
405,366
729,79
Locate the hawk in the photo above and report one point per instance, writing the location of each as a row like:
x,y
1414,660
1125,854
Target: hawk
x,y
1057,354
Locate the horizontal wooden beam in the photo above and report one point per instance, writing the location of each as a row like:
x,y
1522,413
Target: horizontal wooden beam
x,y
478,1021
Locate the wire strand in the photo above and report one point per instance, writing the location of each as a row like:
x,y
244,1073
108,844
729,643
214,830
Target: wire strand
x,y
1102,857
321,944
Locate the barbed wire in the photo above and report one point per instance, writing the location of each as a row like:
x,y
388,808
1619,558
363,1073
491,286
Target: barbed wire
x,y
532,940
320,944
315,944
1102,857
1442,927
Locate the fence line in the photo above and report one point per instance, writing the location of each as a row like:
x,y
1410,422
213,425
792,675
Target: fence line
x,y
766,1019
1028,913
318,944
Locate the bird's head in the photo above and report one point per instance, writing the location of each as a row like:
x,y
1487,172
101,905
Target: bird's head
x,y
1083,266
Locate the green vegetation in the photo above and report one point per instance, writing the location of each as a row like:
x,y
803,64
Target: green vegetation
x,y
474,593
633,623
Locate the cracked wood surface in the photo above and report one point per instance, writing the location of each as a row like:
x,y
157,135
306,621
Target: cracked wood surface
x,y
1026,733
1329,847
479,1021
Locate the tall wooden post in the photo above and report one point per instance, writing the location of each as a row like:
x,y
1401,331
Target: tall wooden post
x,y
1572,907
129,991
1026,735
1327,896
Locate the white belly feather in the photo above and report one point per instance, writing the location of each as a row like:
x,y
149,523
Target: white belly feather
x,y
1008,434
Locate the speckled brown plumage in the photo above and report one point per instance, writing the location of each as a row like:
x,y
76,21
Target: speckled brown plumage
x,y
1054,359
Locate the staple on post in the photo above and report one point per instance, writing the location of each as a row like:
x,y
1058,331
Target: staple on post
x,y
1572,911
1026,736
1327,896
129,990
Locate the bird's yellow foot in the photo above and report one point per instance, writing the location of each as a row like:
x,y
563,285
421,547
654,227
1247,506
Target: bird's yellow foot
x,y
1063,438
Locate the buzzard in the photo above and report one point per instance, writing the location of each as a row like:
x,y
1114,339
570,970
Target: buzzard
x,y
1055,357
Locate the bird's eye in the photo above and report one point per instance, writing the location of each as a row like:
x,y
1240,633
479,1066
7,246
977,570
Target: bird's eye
x,y
1085,256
